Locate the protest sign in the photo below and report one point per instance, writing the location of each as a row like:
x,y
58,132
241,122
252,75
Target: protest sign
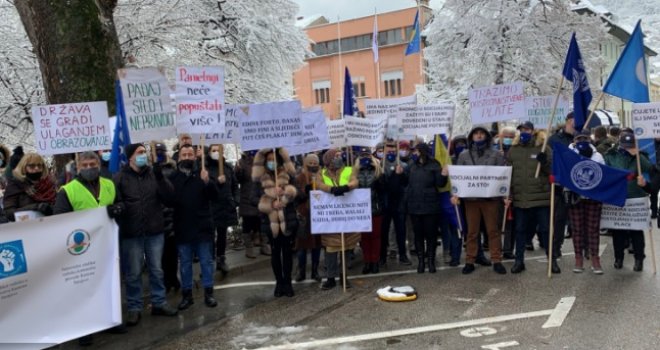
x,y
474,181
425,119
315,133
365,132
271,125
147,104
231,134
646,120
336,214
200,99
71,128
539,110
59,278
337,133
632,216
382,107
497,103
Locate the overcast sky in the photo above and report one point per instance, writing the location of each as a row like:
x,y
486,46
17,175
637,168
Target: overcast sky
x,y
347,9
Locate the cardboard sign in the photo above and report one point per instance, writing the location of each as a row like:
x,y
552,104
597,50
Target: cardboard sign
x,y
383,107
271,125
71,128
539,110
425,119
634,215
365,132
646,120
337,133
336,214
475,181
200,98
315,135
497,103
233,113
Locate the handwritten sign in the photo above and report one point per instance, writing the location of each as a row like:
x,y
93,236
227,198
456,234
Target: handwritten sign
x,y
231,134
365,132
200,97
334,214
497,103
315,133
539,110
646,120
337,133
425,119
382,107
71,127
270,125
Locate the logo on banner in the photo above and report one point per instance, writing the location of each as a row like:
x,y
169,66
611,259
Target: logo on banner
x,y
503,189
639,131
316,196
586,175
78,242
454,189
12,259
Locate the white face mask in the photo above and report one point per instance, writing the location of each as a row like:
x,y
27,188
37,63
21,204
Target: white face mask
x,y
215,155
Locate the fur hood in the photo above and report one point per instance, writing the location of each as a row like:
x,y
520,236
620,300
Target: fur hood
x,y
259,164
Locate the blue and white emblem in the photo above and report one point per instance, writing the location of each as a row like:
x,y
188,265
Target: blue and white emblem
x,y
586,175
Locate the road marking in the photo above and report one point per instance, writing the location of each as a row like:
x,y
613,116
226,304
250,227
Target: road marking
x,y
476,332
417,330
560,312
480,302
498,346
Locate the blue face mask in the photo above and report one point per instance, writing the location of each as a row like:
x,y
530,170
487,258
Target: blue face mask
x,y
105,156
583,145
365,162
414,157
507,141
525,137
480,144
459,149
141,160
390,157
270,165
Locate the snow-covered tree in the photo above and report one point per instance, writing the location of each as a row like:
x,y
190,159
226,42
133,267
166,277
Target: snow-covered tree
x,y
481,43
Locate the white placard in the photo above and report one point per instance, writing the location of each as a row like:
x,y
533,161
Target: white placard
x,y
315,136
147,104
497,103
365,132
200,99
634,215
646,120
337,133
425,119
71,128
27,215
59,265
336,214
477,181
539,110
382,107
233,113
271,125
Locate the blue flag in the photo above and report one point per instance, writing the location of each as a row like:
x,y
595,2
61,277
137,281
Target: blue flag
x,y
589,178
574,71
628,78
350,102
121,137
414,44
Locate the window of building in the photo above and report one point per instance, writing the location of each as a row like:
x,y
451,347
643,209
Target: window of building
x,y
392,83
359,87
389,37
321,91
408,31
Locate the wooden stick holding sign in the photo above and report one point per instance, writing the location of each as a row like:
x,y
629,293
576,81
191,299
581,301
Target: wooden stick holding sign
x,y
655,268
343,262
552,119
221,160
552,227
506,211
202,140
591,114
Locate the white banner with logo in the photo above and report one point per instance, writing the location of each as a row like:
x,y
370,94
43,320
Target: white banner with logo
x,y
233,113
539,110
315,134
200,99
271,125
634,215
59,278
497,103
425,119
365,132
480,181
646,120
336,214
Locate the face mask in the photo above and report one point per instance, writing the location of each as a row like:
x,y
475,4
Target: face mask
x,y
507,141
105,156
215,155
252,153
186,165
414,157
390,157
403,153
337,163
380,155
141,160
34,176
480,143
313,169
365,162
270,165
160,158
459,149
525,137
583,145
90,174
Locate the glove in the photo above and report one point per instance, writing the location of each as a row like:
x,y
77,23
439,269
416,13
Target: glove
x,y
45,208
340,190
308,188
158,171
542,158
115,210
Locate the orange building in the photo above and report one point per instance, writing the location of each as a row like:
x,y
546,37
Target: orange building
x,y
320,81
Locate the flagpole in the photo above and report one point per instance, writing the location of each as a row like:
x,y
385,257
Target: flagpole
x,y
591,114
421,55
552,227
377,48
552,119
341,83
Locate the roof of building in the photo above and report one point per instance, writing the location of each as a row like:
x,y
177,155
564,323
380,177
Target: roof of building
x,y
313,20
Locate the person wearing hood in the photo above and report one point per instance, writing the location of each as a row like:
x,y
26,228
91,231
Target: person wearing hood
x,y
306,241
530,195
393,205
423,200
623,157
480,153
583,212
30,188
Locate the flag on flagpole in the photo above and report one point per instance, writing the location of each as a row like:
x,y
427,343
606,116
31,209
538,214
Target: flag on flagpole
x,y
628,78
121,137
350,102
441,154
374,39
414,44
574,71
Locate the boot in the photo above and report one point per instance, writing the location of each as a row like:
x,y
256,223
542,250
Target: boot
x,y
288,289
209,300
221,264
186,299
432,263
375,268
265,247
300,276
315,273
579,264
595,265
249,246
329,284
555,267
639,265
420,263
618,264
366,269
278,290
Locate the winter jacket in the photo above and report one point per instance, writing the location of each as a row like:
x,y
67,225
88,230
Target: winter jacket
x,y
224,208
142,196
371,178
192,209
422,194
394,186
562,137
605,144
526,190
248,203
62,203
621,159
332,242
16,198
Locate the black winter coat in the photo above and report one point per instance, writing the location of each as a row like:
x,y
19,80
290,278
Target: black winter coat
x,y
192,210
290,216
248,202
422,195
394,187
224,208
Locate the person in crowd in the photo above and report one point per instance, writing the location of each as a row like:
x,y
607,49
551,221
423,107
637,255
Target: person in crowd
x,y
274,174
87,190
224,209
369,172
507,135
624,157
583,212
4,163
305,240
379,152
247,207
142,191
480,153
529,195
603,142
423,203
193,224
16,157
183,139
338,179
31,188
393,205
105,155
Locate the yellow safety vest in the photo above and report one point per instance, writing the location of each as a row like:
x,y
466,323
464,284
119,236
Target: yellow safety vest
x,y
81,198
344,177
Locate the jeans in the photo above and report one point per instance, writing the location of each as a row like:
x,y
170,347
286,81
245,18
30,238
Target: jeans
x,y
203,251
134,251
302,258
399,218
526,221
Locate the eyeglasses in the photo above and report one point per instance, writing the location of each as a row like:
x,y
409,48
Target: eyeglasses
x,y
35,166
